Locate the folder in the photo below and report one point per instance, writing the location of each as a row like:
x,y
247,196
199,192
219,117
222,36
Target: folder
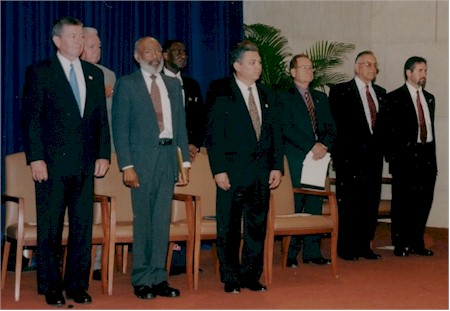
x,y
314,172
181,169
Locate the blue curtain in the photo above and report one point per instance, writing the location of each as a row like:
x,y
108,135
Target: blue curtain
x,y
208,28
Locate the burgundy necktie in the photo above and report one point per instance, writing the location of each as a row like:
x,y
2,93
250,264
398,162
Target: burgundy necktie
x,y
422,125
372,107
254,113
156,99
311,110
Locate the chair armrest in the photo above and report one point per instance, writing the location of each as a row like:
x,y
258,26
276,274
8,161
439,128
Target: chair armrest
x,y
19,212
332,202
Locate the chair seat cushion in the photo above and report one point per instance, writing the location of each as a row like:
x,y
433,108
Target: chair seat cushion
x,y
300,221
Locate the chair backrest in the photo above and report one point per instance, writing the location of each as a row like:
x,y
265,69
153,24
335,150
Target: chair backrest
x,y
201,183
19,183
282,195
112,185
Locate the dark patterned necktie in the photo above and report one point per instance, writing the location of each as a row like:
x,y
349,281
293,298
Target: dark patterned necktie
x,y
422,125
254,113
312,111
372,107
156,99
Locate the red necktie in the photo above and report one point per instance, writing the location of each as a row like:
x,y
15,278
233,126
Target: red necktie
x,y
372,107
254,113
311,110
422,125
156,99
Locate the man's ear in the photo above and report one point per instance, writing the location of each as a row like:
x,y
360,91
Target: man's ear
x,y
237,66
56,41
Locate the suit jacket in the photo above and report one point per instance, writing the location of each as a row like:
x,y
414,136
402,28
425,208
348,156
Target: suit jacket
x,y
356,149
135,125
231,139
54,131
404,132
298,134
110,79
195,115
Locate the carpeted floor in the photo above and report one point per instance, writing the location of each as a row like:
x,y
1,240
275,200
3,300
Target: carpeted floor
x,y
412,282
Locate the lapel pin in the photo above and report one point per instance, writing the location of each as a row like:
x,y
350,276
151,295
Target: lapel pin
x,y
267,106
90,78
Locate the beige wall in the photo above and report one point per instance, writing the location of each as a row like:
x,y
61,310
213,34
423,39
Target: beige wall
x,y
394,30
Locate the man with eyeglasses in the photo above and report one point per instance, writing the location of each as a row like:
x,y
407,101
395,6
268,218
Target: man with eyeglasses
x,y
359,110
307,127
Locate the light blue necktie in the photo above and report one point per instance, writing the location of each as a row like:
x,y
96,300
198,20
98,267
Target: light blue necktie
x,y
74,84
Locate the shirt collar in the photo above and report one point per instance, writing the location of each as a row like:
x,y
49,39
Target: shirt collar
x,y
412,89
65,62
360,83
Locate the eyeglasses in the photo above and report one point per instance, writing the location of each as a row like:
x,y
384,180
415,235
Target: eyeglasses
x,y
305,68
178,52
369,64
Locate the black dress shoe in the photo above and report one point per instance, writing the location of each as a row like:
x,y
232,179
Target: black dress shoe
x,y
292,263
254,286
144,292
349,257
176,270
370,255
318,261
97,275
232,287
422,252
54,297
163,289
78,295
401,252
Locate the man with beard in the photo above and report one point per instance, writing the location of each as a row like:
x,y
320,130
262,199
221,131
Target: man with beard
x,y
148,122
412,159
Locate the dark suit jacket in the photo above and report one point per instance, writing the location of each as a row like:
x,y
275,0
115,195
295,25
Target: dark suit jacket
x,y
135,125
298,135
53,128
231,139
404,132
195,115
355,148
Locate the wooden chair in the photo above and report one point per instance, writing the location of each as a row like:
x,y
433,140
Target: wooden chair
x,y
182,227
20,222
283,221
203,187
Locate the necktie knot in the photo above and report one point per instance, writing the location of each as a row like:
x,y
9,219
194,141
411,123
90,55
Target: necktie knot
x,y
153,77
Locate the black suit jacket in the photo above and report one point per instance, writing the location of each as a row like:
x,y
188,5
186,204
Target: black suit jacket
x,y
355,147
53,129
231,139
404,133
195,115
298,134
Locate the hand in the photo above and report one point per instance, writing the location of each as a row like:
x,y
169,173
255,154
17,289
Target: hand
x,y
101,167
130,178
319,150
274,179
222,181
108,90
193,150
39,170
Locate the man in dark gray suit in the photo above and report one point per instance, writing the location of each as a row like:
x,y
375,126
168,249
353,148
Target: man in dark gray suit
x,y
307,127
148,122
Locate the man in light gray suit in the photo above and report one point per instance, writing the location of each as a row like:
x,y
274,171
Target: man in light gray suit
x,y
148,122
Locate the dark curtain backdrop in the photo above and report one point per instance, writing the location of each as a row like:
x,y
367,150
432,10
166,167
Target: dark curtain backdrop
x,y
208,28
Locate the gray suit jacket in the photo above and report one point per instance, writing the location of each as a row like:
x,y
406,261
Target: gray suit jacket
x,y
135,125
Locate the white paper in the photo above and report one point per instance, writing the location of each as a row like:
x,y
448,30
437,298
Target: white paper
x,y
314,172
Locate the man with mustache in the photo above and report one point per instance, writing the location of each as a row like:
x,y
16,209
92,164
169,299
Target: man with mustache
x,y
148,122
412,159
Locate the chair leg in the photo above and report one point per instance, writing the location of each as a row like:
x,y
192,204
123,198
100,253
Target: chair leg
x,y
333,242
93,253
111,257
169,257
5,262
104,267
119,257
125,259
64,261
285,250
216,258
18,272
189,263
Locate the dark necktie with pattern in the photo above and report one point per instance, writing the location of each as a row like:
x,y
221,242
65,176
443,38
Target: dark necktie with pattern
x,y
372,107
156,99
422,125
312,111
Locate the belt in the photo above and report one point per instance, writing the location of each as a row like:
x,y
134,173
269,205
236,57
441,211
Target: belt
x,y
165,141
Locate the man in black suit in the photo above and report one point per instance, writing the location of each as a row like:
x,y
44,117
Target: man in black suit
x,y
67,143
175,60
246,157
307,127
412,159
359,111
